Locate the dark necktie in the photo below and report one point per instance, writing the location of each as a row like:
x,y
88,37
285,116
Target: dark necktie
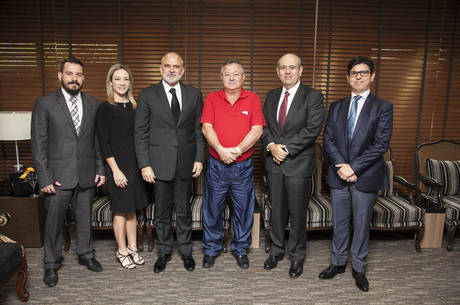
x,y
352,117
283,111
74,113
175,108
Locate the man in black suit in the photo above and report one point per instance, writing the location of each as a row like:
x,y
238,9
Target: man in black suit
x,y
294,114
69,164
357,134
170,151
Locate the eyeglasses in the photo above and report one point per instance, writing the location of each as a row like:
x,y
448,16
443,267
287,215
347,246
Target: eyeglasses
x,y
363,73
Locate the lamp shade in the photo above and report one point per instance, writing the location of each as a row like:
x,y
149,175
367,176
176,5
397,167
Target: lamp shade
x,y
15,125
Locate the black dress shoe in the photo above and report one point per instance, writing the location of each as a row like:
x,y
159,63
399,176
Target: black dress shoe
x,y
208,261
331,271
189,262
360,280
51,277
242,260
90,263
160,264
271,262
296,269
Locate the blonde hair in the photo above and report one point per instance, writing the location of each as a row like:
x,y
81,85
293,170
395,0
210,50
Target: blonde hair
x,y
129,93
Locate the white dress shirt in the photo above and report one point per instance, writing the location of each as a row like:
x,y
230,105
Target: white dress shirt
x,y
69,104
292,93
169,95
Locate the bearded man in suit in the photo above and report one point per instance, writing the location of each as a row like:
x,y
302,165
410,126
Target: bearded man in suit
x,y
294,114
69,164
170,152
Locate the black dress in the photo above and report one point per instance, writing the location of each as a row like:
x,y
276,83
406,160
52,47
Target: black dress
x,y
115,130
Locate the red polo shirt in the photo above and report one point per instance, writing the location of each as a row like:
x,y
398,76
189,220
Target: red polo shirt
x,y
232,122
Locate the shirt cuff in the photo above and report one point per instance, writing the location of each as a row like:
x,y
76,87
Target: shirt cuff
x,y
269,145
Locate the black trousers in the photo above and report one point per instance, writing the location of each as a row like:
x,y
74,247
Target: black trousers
x,y
57,205
168,194
289,199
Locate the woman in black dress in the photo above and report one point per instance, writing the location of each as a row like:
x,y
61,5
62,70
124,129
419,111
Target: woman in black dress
x,y
115,130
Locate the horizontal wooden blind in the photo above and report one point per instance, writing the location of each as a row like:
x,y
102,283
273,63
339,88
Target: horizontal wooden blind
x,y
393,33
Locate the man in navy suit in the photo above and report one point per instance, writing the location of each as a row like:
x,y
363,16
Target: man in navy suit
x,y
357,134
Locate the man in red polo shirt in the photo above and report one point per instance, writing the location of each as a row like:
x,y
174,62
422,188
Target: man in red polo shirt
x,y
232,122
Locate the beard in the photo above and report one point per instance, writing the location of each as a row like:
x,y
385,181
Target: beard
x,y
171,80
70,90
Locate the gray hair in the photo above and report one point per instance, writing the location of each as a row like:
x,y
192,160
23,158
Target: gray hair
x,y
229,62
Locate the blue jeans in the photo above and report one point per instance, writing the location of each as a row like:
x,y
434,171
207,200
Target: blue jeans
x,y
237,180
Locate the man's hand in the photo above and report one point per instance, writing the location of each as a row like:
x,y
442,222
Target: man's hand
x,y
197,167
99,179
278,152
120,179
49,189
148,175
227,154
345,171
352,179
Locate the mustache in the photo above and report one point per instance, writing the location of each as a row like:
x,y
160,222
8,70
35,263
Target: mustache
x,y
73,83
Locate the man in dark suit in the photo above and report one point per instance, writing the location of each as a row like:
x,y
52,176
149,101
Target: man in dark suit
x,y
294,114
357,134
170,151
69,164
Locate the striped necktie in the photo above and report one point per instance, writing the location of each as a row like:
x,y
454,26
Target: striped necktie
x,y
352,117
74,113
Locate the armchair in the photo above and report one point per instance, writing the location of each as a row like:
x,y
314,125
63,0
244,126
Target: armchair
x,y
438,176
13,262
394,212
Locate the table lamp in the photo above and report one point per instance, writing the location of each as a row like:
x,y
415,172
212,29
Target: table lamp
x,y
15,126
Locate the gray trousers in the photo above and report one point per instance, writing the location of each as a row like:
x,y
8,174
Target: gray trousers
x,y
347,203
57,205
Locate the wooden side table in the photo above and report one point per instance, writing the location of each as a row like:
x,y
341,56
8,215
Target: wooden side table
x,y
27,219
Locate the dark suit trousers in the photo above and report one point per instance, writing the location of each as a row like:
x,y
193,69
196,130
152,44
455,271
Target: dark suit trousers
x,y
289,199
57,206
347,203
168,194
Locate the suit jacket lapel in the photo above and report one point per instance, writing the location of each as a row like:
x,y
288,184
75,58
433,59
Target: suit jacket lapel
x,y
164,103
274,108
65,110
343,118
185,103
298,99
364,114
84,103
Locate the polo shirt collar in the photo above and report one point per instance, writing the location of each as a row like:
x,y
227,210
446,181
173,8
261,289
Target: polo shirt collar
x,y
243,94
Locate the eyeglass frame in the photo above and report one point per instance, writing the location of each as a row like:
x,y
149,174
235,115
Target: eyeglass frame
x,y
362,73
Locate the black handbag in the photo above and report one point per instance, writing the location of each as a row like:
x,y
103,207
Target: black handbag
x,y
24,182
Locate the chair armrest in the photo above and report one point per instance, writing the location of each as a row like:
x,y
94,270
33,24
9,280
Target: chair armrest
x,y
410,186
438,186
4,218
404,182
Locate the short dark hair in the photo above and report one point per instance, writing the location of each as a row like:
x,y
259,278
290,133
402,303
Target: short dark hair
x,y
229,62
71,60
361,60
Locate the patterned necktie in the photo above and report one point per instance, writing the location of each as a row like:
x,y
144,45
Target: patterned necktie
x,y
74,113
283,111
352,117
175,108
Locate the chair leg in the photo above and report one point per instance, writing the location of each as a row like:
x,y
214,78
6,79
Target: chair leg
x,y
140,238
450,237
66,235
267,240
149,230
21,281
418,238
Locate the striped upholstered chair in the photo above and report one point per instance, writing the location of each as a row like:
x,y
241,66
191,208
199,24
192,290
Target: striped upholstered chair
x,y
319,209
395,212
438,180
196,200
